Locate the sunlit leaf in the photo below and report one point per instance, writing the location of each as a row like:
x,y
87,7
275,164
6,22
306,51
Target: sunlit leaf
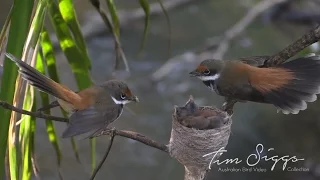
x,y
68,14
72,52
26,134
69,47
48,53
19,26
53,138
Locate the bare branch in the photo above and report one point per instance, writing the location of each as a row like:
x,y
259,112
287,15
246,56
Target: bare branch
x,y
112,135
241,25
220,47
128,134
138,137
306,40
37,114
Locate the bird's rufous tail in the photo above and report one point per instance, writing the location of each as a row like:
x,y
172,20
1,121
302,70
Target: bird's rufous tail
x,y
43,83
290,85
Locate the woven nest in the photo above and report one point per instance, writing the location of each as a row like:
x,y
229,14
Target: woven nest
x,y
189,145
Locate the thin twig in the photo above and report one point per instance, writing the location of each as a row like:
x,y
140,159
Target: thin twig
x,y
306,40
37,114
112,135
138,137
220,47
241,25
128,134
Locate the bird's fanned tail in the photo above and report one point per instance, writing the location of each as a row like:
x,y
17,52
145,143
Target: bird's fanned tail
x,y
297,84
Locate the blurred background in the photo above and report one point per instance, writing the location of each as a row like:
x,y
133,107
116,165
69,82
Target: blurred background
x,y
196,27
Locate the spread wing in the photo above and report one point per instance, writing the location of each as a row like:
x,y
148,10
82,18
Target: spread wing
x,y
92,119
254,60
242,91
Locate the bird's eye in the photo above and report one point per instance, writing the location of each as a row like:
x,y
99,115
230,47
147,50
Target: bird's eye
x,y
123,96
206,72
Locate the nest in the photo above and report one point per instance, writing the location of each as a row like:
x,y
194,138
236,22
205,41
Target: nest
x,y
189,145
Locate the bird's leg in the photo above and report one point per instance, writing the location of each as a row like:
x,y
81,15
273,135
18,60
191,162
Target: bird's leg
x,y
228,105
49,106
109,131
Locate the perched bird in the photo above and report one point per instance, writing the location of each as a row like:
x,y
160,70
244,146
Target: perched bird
x,y
203,118
91,110
287,86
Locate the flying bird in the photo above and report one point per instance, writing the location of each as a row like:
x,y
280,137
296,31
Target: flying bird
x,y
288,86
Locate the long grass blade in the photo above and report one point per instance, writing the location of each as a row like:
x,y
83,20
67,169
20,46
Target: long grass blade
x,y
146,8
118,48
114,16
69,47
166,14
20,19
53,138
68,14
72,52
48,56
4,30
32,147
25,134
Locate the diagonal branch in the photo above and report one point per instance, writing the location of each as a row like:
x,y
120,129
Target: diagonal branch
x,y
306,40
216,50
139,137
37,114
112,135
128,134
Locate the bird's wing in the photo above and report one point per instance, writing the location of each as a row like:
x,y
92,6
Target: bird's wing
x,y
254,60
92,119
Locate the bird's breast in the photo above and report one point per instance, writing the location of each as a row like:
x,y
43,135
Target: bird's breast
x,y
210,84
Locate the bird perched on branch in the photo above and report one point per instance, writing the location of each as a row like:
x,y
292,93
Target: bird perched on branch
x,y
92,109
287,86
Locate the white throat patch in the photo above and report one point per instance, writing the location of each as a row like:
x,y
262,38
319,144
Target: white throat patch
x,y
120,102
209,78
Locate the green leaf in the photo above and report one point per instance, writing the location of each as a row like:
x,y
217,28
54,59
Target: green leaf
x,y
69,47
114,16
4,29
72,52
117,43
53,138
32,145
13,159
26,134
166,14
48,54
68,14
20,19
146,8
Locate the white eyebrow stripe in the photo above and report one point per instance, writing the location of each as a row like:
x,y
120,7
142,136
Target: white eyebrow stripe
x,y
208,78
119,102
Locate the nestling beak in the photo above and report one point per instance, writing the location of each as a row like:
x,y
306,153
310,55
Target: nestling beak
x,y
194,73
135,99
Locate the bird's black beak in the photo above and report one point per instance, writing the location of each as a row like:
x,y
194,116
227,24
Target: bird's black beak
x,y
194,74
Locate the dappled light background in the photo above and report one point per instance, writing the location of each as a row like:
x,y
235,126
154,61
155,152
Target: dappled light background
x,y
193,26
